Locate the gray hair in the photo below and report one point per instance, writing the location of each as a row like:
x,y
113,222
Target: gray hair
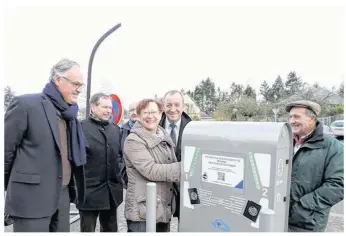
x,y
95,99
172,92
310,113
133,103
60,68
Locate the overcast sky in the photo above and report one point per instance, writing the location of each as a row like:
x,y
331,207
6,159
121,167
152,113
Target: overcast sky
x,y
158,49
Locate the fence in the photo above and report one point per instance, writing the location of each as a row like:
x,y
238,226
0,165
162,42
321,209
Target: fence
x,y
262,118
325,120
330,119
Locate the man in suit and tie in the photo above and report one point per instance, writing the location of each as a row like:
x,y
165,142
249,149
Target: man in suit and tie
x,y
44,149
174,120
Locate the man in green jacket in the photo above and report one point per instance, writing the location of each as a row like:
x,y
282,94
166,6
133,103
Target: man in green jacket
x,y
317,180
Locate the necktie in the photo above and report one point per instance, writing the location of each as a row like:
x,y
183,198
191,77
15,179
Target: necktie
x,y
173,135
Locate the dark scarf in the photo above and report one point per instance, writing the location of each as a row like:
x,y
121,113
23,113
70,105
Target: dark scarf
x,y
131,123
76,138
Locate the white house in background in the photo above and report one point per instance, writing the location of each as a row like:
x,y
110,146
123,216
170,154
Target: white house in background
x,y
335,100
191,107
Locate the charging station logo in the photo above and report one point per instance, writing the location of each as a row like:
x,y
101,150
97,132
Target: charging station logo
x,y
219,224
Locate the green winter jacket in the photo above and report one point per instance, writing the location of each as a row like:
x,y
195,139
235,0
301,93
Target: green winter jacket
x,y
317,181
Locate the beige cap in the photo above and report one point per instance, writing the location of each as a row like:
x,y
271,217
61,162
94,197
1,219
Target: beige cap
x,y
306,104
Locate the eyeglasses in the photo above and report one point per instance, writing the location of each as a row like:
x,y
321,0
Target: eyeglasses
x,y
75,84
147,113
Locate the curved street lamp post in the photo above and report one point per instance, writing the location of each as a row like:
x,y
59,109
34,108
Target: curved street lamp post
x,y
91,63
72,212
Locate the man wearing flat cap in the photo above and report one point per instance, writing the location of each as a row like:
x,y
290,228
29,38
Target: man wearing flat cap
x,y
317,180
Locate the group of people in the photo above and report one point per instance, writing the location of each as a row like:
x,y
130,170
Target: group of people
x,y
52,159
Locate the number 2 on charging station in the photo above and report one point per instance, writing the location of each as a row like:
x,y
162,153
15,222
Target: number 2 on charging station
x,y
265,190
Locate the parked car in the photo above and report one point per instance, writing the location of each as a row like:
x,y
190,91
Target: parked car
x,y
328,131
338,128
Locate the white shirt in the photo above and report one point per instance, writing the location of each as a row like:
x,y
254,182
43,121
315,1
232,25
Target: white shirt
x,y
168,128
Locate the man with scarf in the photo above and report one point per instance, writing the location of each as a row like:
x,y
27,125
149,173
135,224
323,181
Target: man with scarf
x,y
125,131
104,190
44,149
317,178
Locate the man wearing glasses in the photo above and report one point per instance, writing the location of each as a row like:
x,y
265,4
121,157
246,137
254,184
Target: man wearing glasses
x,y
44,149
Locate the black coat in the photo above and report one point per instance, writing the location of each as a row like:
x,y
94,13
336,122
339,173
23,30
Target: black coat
x,y
185,119
33,172
103,167
125,131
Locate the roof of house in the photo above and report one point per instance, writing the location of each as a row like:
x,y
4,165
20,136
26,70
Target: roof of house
x,y
335,100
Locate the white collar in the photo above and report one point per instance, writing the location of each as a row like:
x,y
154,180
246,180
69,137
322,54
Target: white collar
x,y
177,123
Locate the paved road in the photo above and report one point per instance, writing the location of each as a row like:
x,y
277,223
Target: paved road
x,y
335,223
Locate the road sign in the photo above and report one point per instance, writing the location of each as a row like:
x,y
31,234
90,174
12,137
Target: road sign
x,y
117,112
276,110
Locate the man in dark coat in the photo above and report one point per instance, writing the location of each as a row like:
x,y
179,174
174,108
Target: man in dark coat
x,y
126,128
44,149
174,120
317,179
125,131
104,190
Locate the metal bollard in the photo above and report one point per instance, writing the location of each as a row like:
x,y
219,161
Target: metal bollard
x,y
151,207
73,213
267,220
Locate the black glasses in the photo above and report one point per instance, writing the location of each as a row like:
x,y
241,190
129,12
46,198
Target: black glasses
x,y
75,84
